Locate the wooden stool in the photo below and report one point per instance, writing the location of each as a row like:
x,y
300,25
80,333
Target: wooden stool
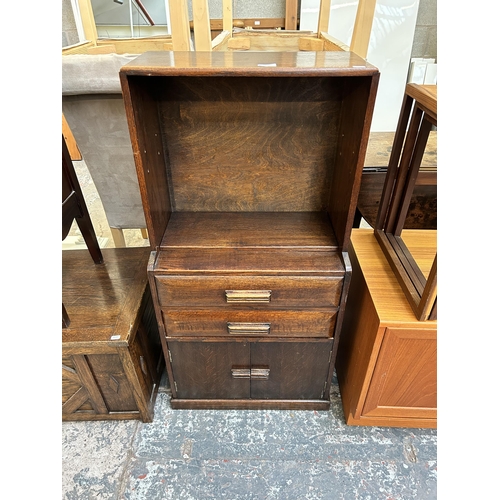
x,y
111,354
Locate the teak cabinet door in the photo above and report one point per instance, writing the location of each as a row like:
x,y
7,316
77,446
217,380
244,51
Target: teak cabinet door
x,y
256,370
404,382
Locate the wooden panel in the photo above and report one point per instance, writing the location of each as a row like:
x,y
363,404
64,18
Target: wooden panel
x,y
331,43
250,404
102,49
87,17
203,369
297,370
285,292
112,358
422,211
324,15
250,144
358,344
299,323
69,138
227,15
141,108
239,43
291,10
250,230
100,297
138,45
311,43
112,381
408,387
234,64
201,21
250,261
354,129
363,27
179,20
385,290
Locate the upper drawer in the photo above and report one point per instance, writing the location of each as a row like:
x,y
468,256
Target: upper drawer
x,y
258,291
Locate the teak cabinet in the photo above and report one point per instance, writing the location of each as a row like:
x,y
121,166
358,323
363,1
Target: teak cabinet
x,y
249,166
387,362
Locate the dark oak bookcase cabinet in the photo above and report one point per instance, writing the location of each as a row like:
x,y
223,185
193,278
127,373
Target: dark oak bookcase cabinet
x,y
249,166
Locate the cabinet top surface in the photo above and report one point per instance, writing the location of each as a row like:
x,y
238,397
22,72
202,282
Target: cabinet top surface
x,y
103,300
164,63
385,290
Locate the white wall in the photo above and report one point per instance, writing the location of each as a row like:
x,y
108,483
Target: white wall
x,y
389,48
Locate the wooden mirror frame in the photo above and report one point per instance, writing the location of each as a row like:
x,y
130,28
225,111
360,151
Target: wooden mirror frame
x,y
418,115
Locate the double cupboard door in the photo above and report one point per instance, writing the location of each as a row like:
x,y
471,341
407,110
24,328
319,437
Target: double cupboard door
x,y
232,370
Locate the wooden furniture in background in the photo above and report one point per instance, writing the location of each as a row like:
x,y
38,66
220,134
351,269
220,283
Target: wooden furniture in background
x,y
418,115
74,207
228,34
387,361
422,211
249,166
111,354
95,45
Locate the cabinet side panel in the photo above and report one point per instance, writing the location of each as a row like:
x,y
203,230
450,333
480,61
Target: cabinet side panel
x,y
356,352
354,129
151,160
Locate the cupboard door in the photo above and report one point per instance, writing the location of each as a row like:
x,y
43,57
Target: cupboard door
x,y
404,382
211,370
290,370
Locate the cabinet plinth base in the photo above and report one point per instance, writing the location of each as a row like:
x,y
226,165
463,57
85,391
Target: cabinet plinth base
x,y
248,404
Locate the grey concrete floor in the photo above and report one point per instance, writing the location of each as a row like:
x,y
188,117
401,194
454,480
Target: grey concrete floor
x,y
246,454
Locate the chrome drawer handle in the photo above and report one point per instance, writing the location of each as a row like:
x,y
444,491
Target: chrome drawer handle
x,y
248,328
259,373
240,372
244,296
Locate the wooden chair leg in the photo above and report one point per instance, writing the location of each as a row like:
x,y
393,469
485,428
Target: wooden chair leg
x,y
118,238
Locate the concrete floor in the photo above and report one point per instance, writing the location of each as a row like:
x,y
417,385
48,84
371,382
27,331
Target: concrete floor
x,y
250,454
224,454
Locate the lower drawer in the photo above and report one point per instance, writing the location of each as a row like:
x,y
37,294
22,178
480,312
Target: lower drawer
x,y
189,322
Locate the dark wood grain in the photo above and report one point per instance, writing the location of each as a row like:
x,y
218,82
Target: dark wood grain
x,y
354,127
112,359
297,370
285,292
422,209
338,63
249,261
210,322
249,167
307,230
149,155
248,144
202,370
